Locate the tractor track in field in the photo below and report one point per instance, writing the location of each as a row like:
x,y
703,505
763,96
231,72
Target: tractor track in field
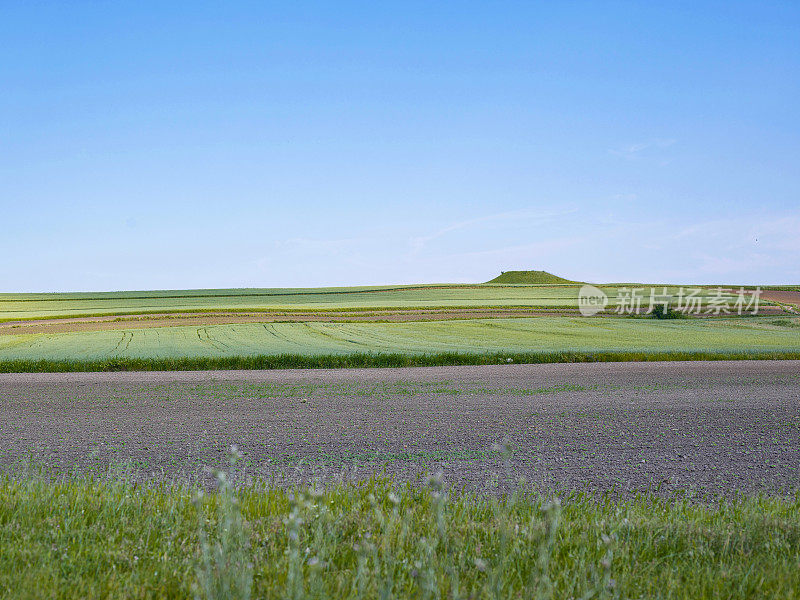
x,y
774,302
118,322
707,428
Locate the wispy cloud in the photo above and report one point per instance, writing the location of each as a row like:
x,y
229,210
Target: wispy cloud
x,y
292,250
746,249
528,251
629,197
641,150
316,244
419,242
737,248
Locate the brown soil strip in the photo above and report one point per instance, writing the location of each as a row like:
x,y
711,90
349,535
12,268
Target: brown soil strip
x,y
792,298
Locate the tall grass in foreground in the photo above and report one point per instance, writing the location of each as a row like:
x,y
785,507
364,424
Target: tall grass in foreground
x,y
225,570
378,359
87,538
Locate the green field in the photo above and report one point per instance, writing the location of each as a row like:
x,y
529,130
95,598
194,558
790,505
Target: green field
x,y
537,334
43,306
353,321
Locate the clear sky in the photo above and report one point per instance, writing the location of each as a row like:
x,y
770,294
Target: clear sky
x,y
233,144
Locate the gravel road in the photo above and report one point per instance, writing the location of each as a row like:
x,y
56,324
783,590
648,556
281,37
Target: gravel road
x,y
708,428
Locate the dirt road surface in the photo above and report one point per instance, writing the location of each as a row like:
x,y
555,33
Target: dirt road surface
x,y
704,428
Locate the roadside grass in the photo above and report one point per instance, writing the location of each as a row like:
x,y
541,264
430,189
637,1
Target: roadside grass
x,y
370,360
106,537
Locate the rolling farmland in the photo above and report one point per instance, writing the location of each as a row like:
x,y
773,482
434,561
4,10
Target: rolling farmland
x,y
47,306
629,433
443,417
406,320
37,306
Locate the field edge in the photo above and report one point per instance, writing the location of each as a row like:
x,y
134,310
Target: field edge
x,y
376,360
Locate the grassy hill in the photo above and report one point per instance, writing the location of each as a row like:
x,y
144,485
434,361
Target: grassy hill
x,y
542,277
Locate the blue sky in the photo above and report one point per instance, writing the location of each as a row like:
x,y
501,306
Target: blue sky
x,y
181,145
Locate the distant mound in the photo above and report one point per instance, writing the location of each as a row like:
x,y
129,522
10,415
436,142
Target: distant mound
x,y
528,277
